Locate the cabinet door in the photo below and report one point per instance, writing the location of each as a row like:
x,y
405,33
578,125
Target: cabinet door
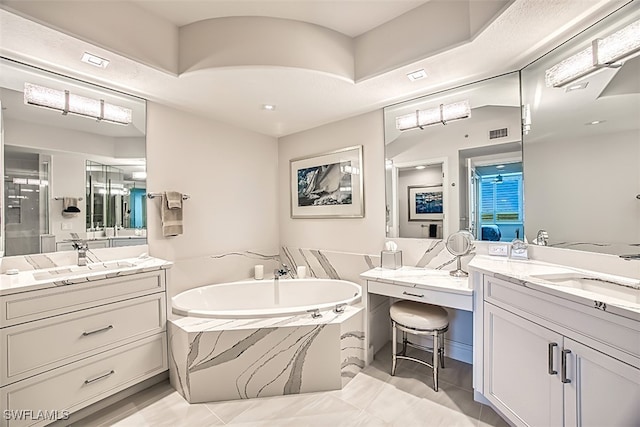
x,y
603,391
518,358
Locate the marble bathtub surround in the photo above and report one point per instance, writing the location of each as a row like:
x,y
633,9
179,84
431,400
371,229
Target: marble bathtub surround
x,y
248,358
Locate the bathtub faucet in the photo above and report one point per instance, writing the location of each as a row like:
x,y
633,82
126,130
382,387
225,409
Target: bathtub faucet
x,y
282,271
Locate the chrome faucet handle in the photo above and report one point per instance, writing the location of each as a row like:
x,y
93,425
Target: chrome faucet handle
x,y
542,238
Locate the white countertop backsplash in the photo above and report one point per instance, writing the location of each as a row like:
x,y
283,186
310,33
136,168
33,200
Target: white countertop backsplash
x,y
123,261
523,272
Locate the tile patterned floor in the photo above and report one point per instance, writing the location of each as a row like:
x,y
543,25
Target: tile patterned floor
x,y
373,398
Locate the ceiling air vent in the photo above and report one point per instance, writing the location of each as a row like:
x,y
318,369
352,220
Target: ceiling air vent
x,y
497,133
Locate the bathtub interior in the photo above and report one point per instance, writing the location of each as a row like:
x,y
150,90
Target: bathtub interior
x,y
260,298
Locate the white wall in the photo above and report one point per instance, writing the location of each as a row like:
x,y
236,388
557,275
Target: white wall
x,y
230,174
361,235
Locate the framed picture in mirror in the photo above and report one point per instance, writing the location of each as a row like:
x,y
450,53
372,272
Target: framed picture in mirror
x,y
425,202
328,185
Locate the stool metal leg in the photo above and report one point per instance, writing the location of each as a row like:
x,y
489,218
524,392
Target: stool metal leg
x,y
441,349
404,343
435,360
394,344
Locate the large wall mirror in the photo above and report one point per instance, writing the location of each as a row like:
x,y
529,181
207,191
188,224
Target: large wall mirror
x,y
582,139
76,165
454,161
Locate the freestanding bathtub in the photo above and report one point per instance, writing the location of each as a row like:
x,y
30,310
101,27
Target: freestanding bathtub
x,y
265,298
256,338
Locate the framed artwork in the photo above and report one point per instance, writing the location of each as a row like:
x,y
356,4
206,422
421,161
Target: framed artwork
x,y
328,185
425,202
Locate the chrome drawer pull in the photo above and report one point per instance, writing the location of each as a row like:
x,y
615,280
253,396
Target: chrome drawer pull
x,y
564,378
550,369
101,377
106,328
412,295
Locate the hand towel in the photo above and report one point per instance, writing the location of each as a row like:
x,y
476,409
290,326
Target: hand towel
x,y
70,204
171,213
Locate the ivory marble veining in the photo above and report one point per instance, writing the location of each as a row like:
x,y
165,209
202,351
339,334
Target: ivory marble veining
x,y
222,359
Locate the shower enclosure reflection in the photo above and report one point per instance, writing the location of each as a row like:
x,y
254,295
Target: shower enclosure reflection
x,y
115,198
49,165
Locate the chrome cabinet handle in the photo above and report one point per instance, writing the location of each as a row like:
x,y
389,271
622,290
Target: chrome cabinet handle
x,y
101,377
552,345
564,366
95,331
412,295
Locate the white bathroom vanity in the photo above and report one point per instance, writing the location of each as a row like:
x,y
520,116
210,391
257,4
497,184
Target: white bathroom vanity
x,y
72,336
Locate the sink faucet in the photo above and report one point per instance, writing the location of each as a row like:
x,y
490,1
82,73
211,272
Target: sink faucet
x,y
542,238
81,246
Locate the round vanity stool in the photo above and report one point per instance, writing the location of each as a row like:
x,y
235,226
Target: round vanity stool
x,y
419,319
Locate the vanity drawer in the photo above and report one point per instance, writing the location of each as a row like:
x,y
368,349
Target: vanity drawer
x,y
567,317
77,335
28,306
82,383
429,296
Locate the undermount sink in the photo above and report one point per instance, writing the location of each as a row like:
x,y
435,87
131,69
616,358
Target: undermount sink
x,y
627,290
74,270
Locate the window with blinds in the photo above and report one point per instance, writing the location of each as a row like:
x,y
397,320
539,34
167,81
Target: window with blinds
x,y
501,198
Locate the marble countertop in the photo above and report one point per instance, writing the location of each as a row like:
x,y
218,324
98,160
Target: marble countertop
x,y
424,278
34,280
524,272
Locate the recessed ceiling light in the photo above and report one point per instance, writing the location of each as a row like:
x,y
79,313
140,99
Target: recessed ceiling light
x,y
417,75
94,60
268,107
576,86
595,122
500,167
420,167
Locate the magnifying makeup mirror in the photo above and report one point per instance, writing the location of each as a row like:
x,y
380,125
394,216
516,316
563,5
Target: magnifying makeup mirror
x,y
459,244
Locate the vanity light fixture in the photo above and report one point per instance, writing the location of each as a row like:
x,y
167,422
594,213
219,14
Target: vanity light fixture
x,y
417,75
94,60
442,114
268,107
420,167
607,52
62,100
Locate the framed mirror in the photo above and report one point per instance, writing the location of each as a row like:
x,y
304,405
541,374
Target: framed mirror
x,y
453,160
582,139
54,130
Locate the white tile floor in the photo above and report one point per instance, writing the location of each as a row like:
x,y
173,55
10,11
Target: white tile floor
x,y
373,398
